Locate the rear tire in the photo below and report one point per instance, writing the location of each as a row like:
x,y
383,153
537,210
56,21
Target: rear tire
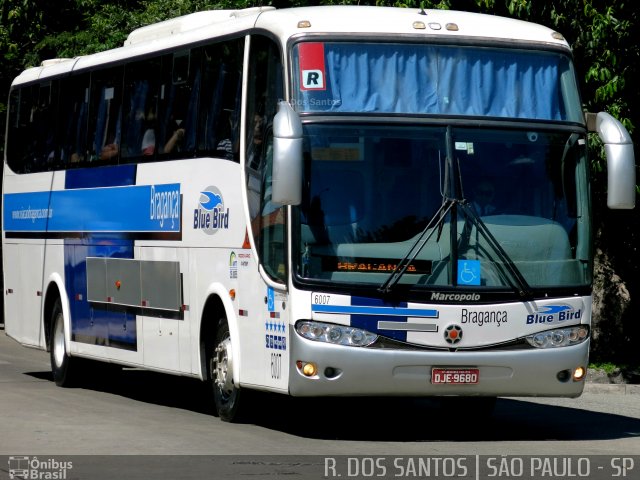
x,y
226,394
63,367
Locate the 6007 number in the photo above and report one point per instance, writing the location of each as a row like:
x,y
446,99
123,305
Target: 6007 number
x,y
321,299
276,366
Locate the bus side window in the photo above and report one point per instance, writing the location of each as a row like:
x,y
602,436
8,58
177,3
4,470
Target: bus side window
x,y
105,112
218,127
20,130
140,106
74,111
179,94
32,128
45,127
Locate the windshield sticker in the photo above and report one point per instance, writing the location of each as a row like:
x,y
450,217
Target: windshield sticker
x,y
312,68
468,272
466,146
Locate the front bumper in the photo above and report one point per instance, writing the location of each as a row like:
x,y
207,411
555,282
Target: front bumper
x,y
388,372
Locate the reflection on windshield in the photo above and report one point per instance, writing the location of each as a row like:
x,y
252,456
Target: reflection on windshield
x,y
371,191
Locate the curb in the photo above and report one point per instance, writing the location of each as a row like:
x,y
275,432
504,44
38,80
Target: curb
x,y
607,388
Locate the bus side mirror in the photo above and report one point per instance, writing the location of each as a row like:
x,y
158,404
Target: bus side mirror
x,y
621,168
286,186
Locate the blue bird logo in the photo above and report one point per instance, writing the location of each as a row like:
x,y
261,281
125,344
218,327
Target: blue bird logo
x,y
553,309
210,200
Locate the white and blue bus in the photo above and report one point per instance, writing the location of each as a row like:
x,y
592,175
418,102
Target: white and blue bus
x,y
324,201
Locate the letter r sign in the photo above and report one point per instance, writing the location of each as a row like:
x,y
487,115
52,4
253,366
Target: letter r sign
x,y
312,66
312,80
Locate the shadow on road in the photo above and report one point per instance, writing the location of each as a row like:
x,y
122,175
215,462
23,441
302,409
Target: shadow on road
x,y
373,419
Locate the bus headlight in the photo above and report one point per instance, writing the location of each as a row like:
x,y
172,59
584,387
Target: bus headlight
x,y
336,334
559,337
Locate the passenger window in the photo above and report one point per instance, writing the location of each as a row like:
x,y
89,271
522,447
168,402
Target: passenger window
x,y
74,116
21,127
105,113
32,128
219,115
178,99
140,121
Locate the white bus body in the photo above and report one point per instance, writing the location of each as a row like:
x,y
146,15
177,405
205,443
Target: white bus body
x,y
157,216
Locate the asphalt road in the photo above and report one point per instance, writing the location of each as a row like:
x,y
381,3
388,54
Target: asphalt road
x,y
143,413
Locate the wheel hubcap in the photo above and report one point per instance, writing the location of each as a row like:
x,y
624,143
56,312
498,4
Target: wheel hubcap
x,y
223,366
58,342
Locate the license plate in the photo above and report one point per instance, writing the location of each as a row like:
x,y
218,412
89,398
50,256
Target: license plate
x,y
455,376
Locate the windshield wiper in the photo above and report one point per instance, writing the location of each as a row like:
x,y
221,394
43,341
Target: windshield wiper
x,y
508,269
453,196
436,221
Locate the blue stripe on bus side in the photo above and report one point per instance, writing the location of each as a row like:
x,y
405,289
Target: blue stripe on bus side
x,y
375,310
98,324
395,313
143,208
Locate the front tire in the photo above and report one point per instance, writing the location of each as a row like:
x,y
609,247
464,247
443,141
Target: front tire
x,y
226,394
63,367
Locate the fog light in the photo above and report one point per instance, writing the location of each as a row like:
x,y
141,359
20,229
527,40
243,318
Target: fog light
x,y
579,373
564,376
308,369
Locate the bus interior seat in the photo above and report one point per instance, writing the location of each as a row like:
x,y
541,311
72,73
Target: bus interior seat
x,y
341,209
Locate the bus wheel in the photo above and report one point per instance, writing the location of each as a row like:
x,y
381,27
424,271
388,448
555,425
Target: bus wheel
x,y
62,365
225,394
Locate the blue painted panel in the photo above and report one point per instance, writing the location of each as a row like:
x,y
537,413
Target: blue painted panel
x,y
144,208
370,322
99,324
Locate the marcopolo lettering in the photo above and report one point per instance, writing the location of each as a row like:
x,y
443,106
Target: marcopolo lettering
x,y
483,317
455,297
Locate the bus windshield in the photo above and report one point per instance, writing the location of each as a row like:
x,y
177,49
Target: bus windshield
x,y
373,193
427,79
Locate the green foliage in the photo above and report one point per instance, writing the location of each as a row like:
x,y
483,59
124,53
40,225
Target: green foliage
x,y
607,367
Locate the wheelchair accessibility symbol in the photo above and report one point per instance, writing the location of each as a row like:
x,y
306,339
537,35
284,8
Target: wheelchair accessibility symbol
x,y
468,272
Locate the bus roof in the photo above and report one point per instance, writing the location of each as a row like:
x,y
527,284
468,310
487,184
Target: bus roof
x,y
444,25
405,21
